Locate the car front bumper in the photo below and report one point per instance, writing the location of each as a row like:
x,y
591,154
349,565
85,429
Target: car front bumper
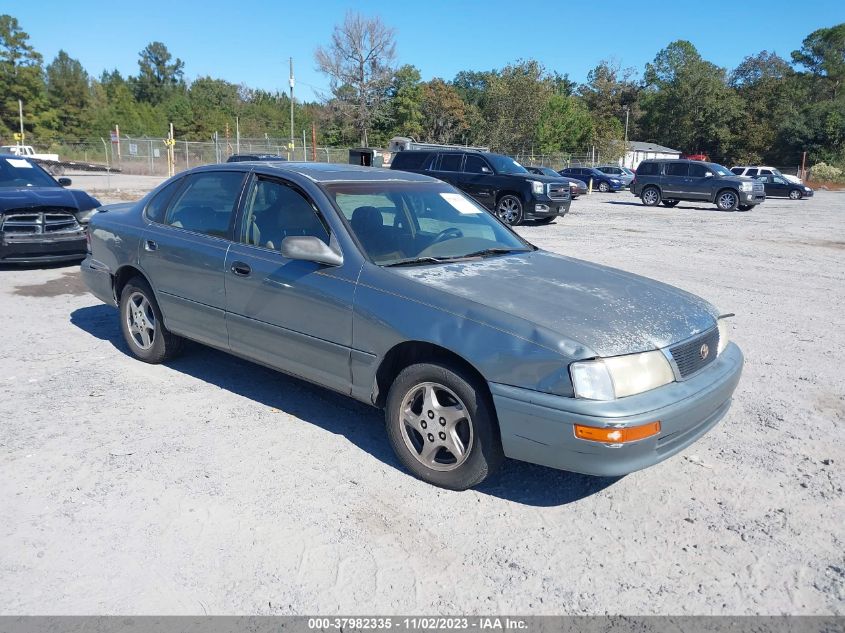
x,y
751,197
547,209
39,249
539,427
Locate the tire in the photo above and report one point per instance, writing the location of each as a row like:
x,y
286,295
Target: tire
x,y
547,220
424,440
795,194
604,187
509,210
670,203
746,207
727,200
650,196
143,326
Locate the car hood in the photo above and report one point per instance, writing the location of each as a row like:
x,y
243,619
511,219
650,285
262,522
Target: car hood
x,y
28,197
608,311
541,177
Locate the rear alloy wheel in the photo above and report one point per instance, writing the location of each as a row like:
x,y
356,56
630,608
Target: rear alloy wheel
x,y
727,200
795,194
442,426
650,196
670,203
142,325
604,187
509,210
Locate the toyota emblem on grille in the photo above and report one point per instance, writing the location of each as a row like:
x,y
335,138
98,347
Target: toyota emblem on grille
x,y
703,351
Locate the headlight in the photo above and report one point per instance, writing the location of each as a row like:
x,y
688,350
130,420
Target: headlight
x,y
83,217
746,186
538,188
620,376
723,335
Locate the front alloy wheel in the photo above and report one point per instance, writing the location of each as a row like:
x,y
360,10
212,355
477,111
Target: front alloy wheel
x,y
727,201
795,194
604,187
509,210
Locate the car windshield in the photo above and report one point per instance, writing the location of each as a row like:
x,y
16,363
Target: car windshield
x,y
506,164
421,223
548,171
721,170
19,172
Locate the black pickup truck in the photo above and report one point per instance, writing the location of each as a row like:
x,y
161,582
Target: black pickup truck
x,y
498,182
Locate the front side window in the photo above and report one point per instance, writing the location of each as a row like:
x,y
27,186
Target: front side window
x,y
737,171
207,202
400,223
752,172
275,211
476,165
698,171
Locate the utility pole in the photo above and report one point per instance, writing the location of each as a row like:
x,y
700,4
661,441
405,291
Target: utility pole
x,y
625,149
20,115
291,104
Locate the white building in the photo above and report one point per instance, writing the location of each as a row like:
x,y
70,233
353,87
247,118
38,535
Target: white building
x,y
639,151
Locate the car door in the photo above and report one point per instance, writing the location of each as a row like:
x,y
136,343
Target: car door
x,y
293,315
675,179
699,182
779,186
447,167
184,254
477,180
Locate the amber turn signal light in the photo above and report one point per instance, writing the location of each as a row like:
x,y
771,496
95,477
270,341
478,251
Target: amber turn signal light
x,y
617,436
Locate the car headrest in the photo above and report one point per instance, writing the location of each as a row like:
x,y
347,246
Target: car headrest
x,y
367,220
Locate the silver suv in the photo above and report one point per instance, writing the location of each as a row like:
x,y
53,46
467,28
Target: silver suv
x,y
670,181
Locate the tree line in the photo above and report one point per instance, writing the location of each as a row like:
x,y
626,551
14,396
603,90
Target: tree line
x,y
768,109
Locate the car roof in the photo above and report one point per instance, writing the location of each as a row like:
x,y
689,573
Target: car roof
x,y
320,172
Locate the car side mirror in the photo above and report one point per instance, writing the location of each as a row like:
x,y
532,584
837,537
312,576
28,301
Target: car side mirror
x,y
311,249
64,182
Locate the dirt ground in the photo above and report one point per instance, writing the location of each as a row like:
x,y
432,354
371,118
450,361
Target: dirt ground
x,y
216,486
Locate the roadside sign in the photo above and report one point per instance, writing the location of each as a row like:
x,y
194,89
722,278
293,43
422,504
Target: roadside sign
x,y
156,153
133,149
18,136
114,137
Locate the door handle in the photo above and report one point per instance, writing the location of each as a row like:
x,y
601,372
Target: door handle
x,y
241,269
150,245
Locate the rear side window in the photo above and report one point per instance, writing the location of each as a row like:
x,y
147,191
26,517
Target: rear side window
x,y
648,169
677,169
157,206
207,202
450,162
409,160
753,172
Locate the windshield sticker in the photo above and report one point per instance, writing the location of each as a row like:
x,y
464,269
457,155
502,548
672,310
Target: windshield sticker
x,y
460,203
19,162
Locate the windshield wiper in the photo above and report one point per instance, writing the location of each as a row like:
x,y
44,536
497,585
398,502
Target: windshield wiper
x,y
497,250
414,261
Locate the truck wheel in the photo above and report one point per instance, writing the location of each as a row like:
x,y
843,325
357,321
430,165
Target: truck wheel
x,y
509,210
142,325
727,200
651,196
670,203
442,426
604,187
795,194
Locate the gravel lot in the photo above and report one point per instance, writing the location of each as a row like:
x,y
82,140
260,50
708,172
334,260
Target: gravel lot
x,y
216,486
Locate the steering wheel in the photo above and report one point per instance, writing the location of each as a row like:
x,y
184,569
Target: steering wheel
x,y
450,233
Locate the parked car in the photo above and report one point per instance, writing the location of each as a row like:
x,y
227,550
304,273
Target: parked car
x,y
622,173
240,158
762,170
40,220
498,182
670,181
601,181
576,187
404,293
780,186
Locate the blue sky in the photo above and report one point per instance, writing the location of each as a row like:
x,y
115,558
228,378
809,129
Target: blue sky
x,y
249,42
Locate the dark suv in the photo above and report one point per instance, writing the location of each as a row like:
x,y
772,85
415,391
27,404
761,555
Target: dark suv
x,y
498,182
673,180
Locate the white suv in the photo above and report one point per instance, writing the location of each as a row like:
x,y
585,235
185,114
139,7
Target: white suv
x,y
762,170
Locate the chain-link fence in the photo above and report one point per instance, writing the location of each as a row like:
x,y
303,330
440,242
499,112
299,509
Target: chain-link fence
x,y
148,156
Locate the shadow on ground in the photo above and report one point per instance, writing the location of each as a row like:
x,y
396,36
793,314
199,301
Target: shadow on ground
x,y
681,206
360,424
